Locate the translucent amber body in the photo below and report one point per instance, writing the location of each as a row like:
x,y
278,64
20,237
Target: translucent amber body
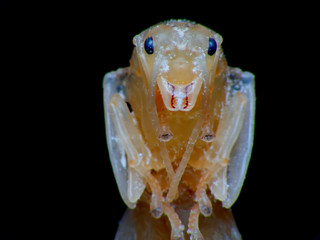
x,y
187,138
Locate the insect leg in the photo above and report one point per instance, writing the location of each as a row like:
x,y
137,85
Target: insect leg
x,y
132,142
164,136
207,134
204,203
229,128
227,133
176,225
193,225
165,133
156,207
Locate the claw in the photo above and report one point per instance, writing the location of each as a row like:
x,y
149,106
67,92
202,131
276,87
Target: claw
x,y
165,136
207,134
206,210
208,137
205,205
157,212
177,233
195,235
156,206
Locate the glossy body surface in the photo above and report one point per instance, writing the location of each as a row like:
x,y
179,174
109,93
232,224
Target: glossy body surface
x,y
179,124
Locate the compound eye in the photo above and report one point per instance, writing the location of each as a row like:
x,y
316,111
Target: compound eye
x,y
212,46
148,45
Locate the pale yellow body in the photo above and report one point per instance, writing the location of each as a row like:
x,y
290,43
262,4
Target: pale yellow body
x,y
184,122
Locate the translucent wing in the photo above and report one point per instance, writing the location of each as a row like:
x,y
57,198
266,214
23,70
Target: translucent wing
x,y
112,84
241,152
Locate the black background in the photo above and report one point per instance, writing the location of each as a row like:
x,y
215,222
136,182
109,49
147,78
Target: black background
x,y
56,179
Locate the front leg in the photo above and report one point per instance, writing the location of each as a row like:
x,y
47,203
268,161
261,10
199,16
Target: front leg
x,y
219,153
137,152
132,142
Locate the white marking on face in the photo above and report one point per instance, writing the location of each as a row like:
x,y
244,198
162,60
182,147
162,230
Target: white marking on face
x,y
180,31
180,95
182,46
164,67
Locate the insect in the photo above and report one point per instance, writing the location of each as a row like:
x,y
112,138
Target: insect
x,y
179,124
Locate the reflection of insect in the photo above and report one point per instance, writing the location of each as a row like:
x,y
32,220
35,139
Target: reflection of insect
x,y
179,123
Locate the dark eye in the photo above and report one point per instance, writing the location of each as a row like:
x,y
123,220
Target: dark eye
x,y
212,46
148,45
